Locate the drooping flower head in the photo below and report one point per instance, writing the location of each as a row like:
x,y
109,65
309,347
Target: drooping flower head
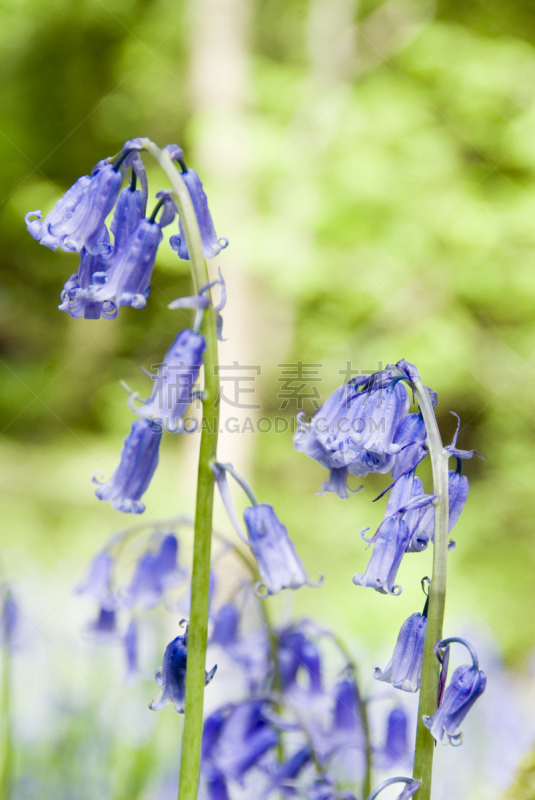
x,y
467,684
404,668
389,546
171,676
155,573
394,751
97,583
76,297
211,245
139,459
278,563
353,432
173,386
127,281
297,654
78,218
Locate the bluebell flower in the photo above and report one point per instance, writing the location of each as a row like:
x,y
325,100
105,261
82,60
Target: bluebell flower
x,y
129,211
404,668
139,459
155,574
173,386
410,436
389,546
422,520
345,740
78,218
354,430
297,654
127,281
211,245
274,551
409,500
171,676
237,740
130,641
76,297
466,685
395,747
97,582
225,630
105,625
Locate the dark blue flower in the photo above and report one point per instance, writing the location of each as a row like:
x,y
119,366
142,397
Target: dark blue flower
x,y
155,574
278,563
389,546
78,218
466,685
171,676
298,654
211,245
404,668
237,740
353,431
127,281
139,459
395,747
97,582
173,386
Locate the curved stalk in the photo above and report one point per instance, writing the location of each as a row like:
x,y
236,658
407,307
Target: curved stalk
x,y
200,579
425,744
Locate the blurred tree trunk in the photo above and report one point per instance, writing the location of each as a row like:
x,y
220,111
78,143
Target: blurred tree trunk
x,y
219,83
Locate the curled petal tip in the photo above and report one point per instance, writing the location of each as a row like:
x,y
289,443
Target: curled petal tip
x,y
318,583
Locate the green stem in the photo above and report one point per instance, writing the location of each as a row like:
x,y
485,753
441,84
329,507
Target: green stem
x,y
7,743
425,744
200,579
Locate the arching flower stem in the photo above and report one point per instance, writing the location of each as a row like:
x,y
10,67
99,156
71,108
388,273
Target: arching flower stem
x,y
425,744
200,581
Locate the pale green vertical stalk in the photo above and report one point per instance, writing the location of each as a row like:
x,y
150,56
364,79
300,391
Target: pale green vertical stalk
x,y
425,744
7,744
200,580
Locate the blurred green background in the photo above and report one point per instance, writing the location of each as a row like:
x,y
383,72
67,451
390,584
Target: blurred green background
x,y
373,166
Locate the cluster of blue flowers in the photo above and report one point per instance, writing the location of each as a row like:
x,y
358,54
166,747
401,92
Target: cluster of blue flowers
x,y
292,732
155,579
118,273
365,426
